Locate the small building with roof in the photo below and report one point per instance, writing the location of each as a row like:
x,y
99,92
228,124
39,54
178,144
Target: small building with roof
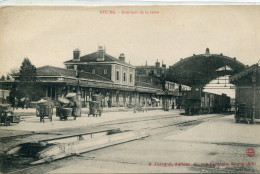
x,y
247,100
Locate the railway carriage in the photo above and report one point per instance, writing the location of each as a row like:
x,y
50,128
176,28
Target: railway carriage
x,y
201,103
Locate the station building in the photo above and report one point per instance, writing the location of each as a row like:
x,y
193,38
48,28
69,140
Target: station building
x,y
119,82
152,74
97,72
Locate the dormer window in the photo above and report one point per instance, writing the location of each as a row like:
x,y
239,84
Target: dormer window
x,y
93,71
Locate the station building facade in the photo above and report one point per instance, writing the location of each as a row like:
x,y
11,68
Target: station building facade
x,y
119,82
100,73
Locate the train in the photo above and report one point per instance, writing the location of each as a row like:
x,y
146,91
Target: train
x,y
197,102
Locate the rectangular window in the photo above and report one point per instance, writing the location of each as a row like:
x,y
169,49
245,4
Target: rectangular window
x,y
124,76
117,75
93,71
130,79
105,71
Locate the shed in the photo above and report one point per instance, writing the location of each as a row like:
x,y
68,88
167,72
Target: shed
x,y
247,85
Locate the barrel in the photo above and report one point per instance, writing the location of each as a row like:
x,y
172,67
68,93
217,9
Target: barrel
x,y
58,111
43,110
97,98
76,112
66,112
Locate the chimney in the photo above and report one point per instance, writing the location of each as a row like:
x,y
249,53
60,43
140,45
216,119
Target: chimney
x,y
76,54
101,53
163,65
157,64
122,57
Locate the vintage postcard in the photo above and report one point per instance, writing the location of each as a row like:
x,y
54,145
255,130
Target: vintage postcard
x,y
130,89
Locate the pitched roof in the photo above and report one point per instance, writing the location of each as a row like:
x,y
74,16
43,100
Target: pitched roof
x,y
253,68
55,71
93,58
145,67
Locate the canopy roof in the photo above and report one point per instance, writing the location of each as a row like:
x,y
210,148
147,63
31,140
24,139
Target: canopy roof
x,y
199,70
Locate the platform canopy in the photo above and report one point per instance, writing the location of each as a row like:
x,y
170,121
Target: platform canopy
x,y
199,70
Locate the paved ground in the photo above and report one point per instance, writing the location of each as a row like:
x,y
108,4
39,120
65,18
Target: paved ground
x,y
216,146
213,142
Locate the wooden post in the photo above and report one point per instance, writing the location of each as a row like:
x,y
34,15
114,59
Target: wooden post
x,y
46,94
254,98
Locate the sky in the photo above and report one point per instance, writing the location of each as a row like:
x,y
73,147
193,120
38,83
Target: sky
x,y
48,35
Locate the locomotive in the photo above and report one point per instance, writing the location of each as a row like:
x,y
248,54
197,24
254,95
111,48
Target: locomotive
x,y
196,102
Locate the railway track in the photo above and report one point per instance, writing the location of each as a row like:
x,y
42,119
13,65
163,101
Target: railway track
x,y
168,121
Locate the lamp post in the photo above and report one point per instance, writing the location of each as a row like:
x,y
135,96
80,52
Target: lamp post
x,y
117,98
135,102
254,97
77,91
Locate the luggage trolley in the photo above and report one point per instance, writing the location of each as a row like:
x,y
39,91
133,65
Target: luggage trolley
x,y
69,107
44,109
95,106
243,114
7,116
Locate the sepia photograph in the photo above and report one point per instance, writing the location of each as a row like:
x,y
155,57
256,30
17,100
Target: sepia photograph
x,y
130,88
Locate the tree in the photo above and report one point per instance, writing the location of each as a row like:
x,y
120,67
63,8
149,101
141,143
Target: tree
x,y
14,71
27,72
27,81
3,78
